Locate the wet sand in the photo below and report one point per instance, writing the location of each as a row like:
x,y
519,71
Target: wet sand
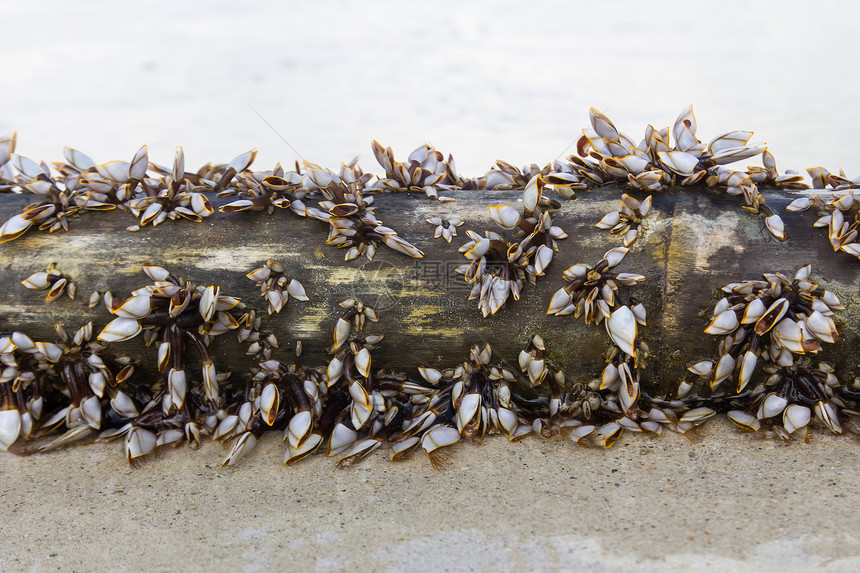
x,y
727,501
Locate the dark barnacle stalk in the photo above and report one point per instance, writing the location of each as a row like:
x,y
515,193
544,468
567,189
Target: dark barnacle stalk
x,y
349,213
778,321
176,313
499,269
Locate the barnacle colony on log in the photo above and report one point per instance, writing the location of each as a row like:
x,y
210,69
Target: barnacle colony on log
x,y
774,368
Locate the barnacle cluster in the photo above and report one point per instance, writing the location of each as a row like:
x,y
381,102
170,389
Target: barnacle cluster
x,y
629,220
154,194
275,287
775,324
52,281
606,155
839,213
53,393
425,170
498,268
176,314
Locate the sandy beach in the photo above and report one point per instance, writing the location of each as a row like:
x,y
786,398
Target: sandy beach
x,y
727,501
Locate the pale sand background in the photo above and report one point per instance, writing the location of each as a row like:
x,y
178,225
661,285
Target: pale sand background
x,y
728,501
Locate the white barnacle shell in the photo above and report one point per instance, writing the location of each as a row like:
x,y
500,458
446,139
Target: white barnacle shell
x,y
678,161
852,249
119,329
14,227
789,335
701,368
123,405
135,307
138,165
744,420
801,204
560,300
609,433
469,407
609,220
532,193
139,442
795,417
245,443
772,405
156,273
334,371
602,125
832,300
615,256
50,351
508,421
431,375
822,327
10,428
259,275
748,363
296,290
776,227
697,415
439,437
729,140
114,170
723,369
753,311
826,413
177,385
543,257
505,216
609,376
37,281
723,323
621,326
362,362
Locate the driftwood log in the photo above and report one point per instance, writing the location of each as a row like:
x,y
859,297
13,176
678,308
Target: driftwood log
x,y
698,240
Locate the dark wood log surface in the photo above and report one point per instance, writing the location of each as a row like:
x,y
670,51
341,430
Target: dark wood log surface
x,y
698,241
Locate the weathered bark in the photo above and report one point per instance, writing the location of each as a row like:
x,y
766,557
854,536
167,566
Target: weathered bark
x,y
698,241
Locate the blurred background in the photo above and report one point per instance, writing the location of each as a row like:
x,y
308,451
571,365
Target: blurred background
x,y
480,80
